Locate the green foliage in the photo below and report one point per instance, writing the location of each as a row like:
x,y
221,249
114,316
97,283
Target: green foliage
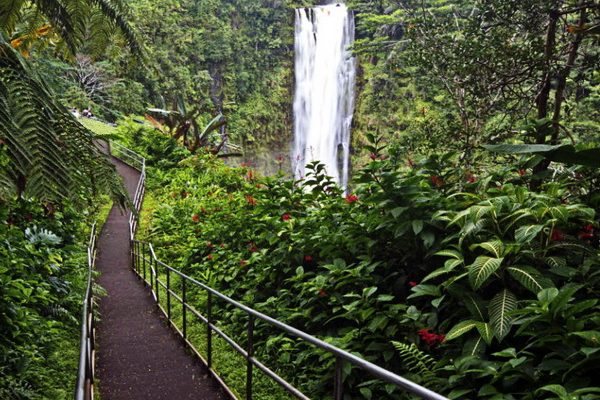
x,y
49,155
43,272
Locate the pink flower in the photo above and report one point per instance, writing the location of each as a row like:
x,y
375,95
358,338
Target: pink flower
x,y
351,198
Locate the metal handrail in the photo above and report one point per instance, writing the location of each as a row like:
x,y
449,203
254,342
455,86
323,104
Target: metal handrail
x,y
84,388
143,256
140,259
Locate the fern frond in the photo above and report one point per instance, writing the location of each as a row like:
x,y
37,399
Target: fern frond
x,y
416,361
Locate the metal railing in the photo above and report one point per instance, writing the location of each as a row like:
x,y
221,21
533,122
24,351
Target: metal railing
x,y
148,267
138,162
84,388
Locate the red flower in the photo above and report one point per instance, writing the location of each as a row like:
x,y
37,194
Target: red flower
x,y
209,257
412,283
373,156
249,175
437,181
308,259
252,247
351,198
243,263
557,235
279,159
431,338
251,200
322,293
471,178
586,232
209,245
286,217
196,218
410,162
522,172
245,164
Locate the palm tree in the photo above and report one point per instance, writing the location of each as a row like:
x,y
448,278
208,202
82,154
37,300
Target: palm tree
x,y
44,151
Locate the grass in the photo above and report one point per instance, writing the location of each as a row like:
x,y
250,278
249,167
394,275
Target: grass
x,y
98,127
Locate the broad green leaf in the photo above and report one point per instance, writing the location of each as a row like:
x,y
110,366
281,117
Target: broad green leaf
x,y
528,277
527,233
495,247
486,332
450,253
500,307
547,295
482,269
417,226
590,336
460,329
558,390
475,306
425,290
508,353
449,266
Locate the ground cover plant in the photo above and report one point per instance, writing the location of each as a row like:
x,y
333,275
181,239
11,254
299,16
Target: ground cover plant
x,y
469,283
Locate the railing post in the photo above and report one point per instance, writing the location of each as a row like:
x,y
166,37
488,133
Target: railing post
x,y
144,271
132,252
155,262
209,330
250,351
338,386
184,308
169,294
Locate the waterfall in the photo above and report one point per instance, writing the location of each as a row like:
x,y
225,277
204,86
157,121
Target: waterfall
x,y
324,95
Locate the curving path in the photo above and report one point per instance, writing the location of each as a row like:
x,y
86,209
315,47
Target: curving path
x,y
139,356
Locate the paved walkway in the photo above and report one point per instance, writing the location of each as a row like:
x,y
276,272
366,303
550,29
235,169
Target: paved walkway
x,y
139,356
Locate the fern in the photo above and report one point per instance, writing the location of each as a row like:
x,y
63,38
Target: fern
x,y
50,155
416,361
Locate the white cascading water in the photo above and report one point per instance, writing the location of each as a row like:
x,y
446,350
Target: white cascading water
x,y
324,96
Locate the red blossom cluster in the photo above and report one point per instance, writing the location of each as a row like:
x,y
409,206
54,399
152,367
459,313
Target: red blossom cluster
x,y
351,198
251,200
431,338
286,217
308,259
586,232
374,156
557,235
437,181
522,172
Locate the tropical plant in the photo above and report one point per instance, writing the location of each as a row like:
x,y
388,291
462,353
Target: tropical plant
x,y
48,154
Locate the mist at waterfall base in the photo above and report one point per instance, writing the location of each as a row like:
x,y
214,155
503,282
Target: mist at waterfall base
x,y
324,92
